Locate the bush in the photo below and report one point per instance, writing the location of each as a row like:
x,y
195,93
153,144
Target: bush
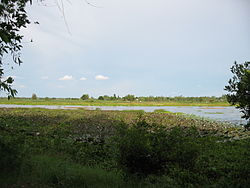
x,y
100,98
150,149
53,171
33,97
11,151
85,97
10,156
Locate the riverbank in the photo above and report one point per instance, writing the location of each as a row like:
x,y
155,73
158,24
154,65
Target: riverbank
x,y
74,148
79,102
224,114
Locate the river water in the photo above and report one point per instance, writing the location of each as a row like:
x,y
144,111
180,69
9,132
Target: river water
x,y
225,114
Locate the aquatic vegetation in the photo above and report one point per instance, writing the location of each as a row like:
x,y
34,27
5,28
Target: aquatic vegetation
x,y
162,111
138,111
213,112
72,148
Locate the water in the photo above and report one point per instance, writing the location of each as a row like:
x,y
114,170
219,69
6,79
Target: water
x,y
225,114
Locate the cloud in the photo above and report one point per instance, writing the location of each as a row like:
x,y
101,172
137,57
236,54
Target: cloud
x,y
44,77
83,78
101,77
66,77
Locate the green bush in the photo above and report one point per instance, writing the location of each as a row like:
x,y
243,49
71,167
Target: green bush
x,y
10,155
146,149
10,149
34,96
85,97
54,171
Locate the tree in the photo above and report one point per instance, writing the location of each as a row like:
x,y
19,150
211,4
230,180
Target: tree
x,y
100,98
129,97
13,17
85,97
33,97
239,88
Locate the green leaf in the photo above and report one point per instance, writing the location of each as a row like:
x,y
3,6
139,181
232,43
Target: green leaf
x,y
4,37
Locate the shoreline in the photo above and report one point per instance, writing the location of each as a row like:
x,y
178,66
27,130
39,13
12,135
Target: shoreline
x,y
111,103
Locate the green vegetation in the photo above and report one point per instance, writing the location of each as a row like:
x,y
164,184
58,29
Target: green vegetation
x,y
60,148
239,88
13,18
173,101
85,97
178,99
161,111
34,97
213,112
64,148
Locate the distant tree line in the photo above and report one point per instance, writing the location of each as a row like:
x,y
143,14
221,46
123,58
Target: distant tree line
x,y
131,97
163,99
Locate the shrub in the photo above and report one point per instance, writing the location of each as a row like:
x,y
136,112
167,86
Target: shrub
x,y
150,149
9,158
85,97
129,98
100,98
11,151
33,97
53,171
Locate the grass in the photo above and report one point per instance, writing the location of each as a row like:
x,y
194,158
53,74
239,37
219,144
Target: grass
x,y
80,148
27,101
56,171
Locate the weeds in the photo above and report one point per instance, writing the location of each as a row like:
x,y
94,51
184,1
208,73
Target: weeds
x,y
60,148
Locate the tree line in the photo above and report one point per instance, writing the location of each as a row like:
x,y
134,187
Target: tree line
x,y
130,97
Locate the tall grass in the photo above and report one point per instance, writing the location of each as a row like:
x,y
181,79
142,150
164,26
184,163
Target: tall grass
x,y
54,171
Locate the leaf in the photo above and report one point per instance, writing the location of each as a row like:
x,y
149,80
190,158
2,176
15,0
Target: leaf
x,y
4,37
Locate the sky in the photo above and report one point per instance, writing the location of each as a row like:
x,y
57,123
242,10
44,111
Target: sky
x,y
140,47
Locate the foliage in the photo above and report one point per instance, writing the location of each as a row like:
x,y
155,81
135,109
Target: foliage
x,y
149,149
13,18
239,88
33,97
5,84
85,97
109,98
129,98
60,172
10,149
74,148
180,99
118,102
100,98
161,111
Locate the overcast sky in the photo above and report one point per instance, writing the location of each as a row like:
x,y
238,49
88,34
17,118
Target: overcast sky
x,y
140,47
